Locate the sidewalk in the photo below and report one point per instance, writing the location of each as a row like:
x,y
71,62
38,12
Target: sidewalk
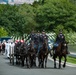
x,y
72,54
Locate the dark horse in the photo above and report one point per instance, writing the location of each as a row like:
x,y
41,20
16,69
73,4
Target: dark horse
x,y
23,53
17,52
60,51
43,54
31,55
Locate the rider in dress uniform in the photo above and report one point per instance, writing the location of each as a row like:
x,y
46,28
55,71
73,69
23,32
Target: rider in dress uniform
x,y
42,37
32,36
59,39
36,40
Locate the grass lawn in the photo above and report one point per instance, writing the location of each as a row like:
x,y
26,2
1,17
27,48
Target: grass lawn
x,y
71,59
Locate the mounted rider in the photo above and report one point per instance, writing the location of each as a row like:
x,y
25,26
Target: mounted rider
x,y
33,39
36,40
60,39
42,38
31,36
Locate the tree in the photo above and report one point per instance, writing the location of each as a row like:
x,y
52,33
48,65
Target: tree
x,y
3,32
28,14
7,18
54,13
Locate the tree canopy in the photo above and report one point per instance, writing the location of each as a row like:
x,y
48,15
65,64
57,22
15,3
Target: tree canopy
x,y
50,15
56,12
3,32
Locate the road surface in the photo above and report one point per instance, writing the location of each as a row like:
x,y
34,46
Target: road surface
x,y
7,69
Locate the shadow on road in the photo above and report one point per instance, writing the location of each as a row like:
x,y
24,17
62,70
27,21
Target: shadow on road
x,y
24,67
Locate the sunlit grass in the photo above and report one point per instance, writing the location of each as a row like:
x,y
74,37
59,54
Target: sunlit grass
x,y
70,59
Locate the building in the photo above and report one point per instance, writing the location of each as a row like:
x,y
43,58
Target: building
x,y
12,2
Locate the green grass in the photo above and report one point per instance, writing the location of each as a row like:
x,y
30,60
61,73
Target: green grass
x,y
70,59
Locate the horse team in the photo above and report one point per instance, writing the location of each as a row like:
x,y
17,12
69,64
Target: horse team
x,y
24,53
27,54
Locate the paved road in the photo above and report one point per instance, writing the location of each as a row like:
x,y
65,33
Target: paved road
x,y
72,50
7,69
72,54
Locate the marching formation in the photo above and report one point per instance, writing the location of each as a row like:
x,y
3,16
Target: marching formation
x,y
37,47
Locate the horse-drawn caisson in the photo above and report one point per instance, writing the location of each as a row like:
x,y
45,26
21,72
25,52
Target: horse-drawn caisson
x,y
26,54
